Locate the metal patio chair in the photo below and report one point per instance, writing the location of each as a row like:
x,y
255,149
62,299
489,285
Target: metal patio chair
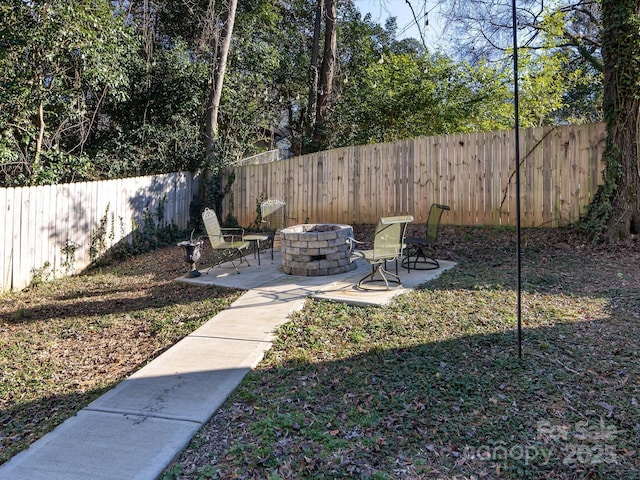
x,y
388,244
227,241
419,248
273,216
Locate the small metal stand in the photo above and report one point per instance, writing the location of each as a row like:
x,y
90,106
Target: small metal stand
x,y
191,255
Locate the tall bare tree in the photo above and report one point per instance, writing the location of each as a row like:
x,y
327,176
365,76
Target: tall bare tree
x,y
327,71
218,69
315,55
217,79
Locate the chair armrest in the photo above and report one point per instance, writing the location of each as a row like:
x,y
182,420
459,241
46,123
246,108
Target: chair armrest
x,y
232,229
353,244
233,233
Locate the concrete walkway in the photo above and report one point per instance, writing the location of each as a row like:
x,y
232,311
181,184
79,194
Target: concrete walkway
x,y
135,430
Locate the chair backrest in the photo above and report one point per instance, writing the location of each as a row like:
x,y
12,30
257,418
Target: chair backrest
x,y
212,226
274,214
433,221
389,236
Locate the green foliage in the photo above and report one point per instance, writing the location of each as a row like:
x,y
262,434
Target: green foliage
x,y
578,70
215,193
61,62
68,252
542,85
157,128
40,275
89,90
593,224
98,244
257,224
152,232
404,96
617,198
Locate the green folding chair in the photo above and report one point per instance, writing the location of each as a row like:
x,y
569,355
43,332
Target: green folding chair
x,y
227,241
388,245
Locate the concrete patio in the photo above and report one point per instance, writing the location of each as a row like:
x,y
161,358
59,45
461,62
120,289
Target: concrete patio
x,y
338,288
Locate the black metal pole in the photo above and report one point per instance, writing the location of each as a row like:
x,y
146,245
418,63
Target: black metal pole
x,y
517,151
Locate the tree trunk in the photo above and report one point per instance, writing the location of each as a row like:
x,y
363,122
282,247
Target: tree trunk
x,y
313,69
213,104
40,139
615,211
328,69
213,108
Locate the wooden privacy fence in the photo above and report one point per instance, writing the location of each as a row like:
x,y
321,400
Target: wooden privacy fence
x,y
53,227
473,173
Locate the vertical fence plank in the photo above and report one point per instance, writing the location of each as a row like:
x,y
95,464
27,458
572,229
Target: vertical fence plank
x,y
367,175
427,177
547,181
25,248
56,226
436,175
493,181
342,187
6,217
481,193
502,183
354,186
528,153
16,201
472,177
462,182
596,144
394,169
379,183
479,187
41,230
418,198
575,175
551,161
565,167
52,229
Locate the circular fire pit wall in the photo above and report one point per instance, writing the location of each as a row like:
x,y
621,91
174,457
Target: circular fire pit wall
x,y
316,249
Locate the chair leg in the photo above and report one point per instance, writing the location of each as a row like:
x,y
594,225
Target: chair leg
x,y
384,274
243,257
231,258
420,257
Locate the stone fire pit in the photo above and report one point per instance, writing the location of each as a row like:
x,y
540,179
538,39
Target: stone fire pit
x,y
316,249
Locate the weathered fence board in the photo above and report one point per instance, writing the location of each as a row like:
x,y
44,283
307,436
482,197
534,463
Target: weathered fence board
x,y
49,229
473,173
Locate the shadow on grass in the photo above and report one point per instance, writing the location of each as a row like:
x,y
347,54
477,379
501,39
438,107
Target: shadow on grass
x,y
110,302
144,283
458,408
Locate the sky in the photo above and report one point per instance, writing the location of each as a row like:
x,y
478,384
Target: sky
x,y
380,10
